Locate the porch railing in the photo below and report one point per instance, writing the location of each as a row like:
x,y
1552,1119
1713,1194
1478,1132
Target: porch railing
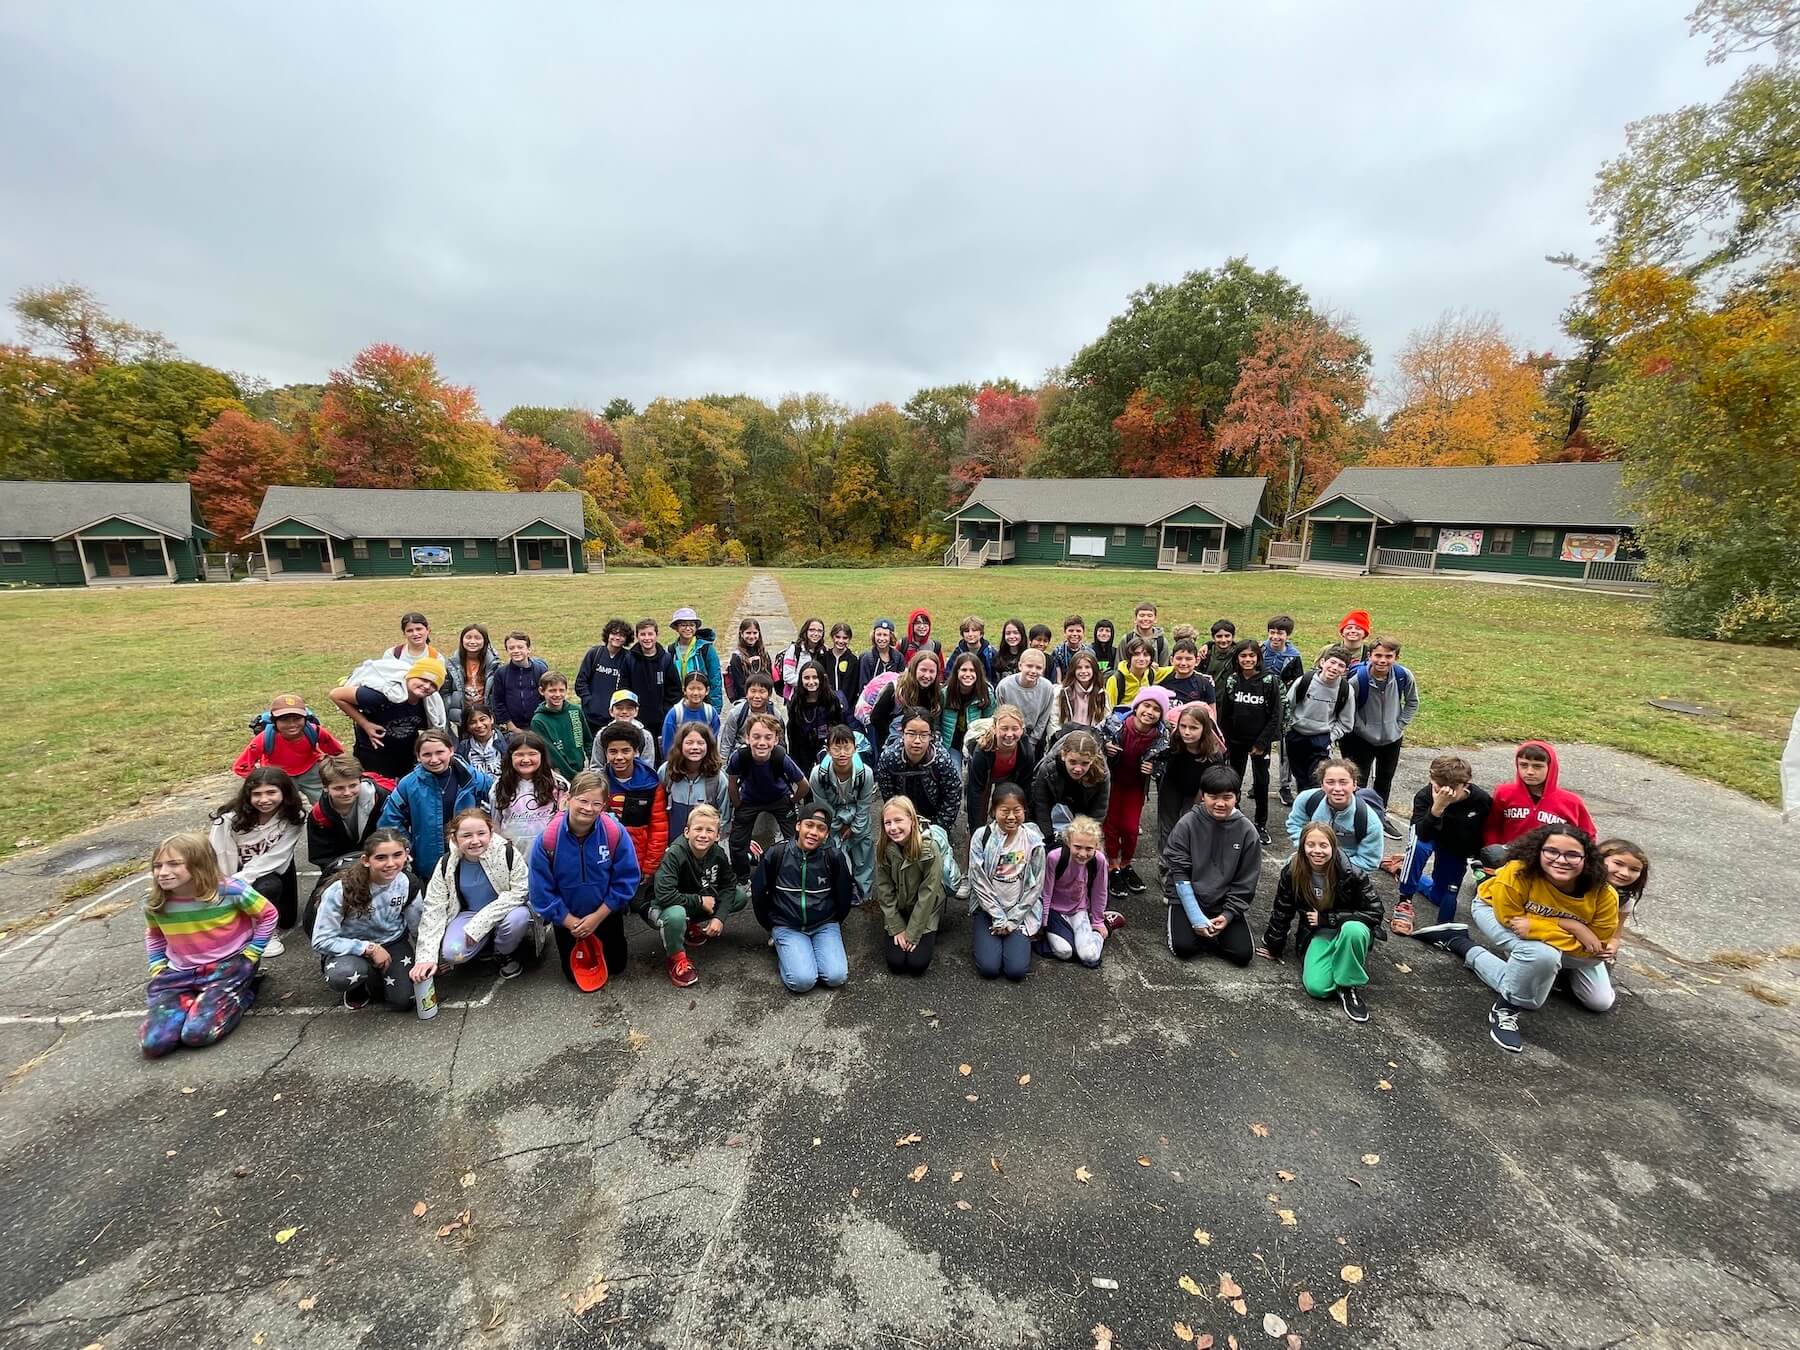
x,y
1165,560
1625,570
1405,560
953,555
1283,554
1213,559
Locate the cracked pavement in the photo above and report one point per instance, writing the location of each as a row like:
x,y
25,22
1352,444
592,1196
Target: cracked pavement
x,y
730,1171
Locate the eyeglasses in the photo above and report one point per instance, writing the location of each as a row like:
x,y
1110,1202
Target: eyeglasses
x,y
1563,855
916,735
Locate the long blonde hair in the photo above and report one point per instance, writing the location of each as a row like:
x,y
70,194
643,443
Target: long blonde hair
x,y
1300,870
196,851
911,849
989,741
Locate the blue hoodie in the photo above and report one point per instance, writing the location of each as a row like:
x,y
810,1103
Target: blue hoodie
x,y
598,872
423,803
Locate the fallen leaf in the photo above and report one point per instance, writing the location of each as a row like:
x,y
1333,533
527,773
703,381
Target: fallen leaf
x,y
1285,1176
995,1164
419,1209
1184,1332
221,1111
1402,967
468,1180
1370,1159
1231,1340
170,1153
259,1338
1188,1286
936,1023
964,1204
1228,1287
1351,1274
276,1097
1392,1065
1273,1326
636,1039
307,1304
918,1173
449,1228
1102,1282
1143,1162
1385,1086
591,1297
188,1092
1203,1341
1240,1307
1340,1311
1293,1341
286,1235
817,1141
856,1192
1024,1080
1260,1130
1287,1218
927,1012
908,1140
970,1097
240,1171
1304,1302
1103,1337
693,1003
965,1069
1083,1175
1203,1237
955,1177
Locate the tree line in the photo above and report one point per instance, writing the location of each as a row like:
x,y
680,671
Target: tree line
x,y
1680,359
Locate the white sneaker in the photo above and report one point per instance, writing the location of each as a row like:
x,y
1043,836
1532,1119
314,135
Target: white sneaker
x,y
274,948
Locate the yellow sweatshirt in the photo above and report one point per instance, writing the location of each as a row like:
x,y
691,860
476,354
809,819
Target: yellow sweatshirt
x,y
1542,902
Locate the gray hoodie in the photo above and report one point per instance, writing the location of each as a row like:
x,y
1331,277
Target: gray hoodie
x,y
1315,707
1221,858
1390,704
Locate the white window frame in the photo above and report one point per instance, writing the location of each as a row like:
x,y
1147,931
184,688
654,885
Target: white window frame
x,y
396,548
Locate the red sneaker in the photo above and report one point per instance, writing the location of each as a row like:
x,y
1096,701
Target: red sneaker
x,y
1113,920
696,934
681,971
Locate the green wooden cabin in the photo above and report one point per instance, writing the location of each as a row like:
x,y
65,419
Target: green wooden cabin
x,y
1172,524
1563,521
381,532
99,534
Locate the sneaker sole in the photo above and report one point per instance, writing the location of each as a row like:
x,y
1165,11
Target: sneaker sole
x,y
1438,930
1494,1036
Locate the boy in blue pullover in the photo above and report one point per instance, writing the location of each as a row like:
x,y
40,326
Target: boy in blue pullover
x,y
584,874
1335,801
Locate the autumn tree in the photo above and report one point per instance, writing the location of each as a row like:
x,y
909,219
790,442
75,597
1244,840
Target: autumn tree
x,y
71,321
858,511
528,463
390,420
1175,351
1466,396
1289,412
618,409
1000,440
240,459
658,509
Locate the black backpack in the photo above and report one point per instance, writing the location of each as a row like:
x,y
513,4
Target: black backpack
x,y
1313,796
1304,683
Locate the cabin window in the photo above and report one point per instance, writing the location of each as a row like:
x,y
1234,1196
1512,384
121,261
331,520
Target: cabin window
x,y
359,548
12,551
471,548
64,551
395,550
1062,534
1500,541
1543,543
1031,533
1424,537
293,545
1340,535
1118,536
1151,539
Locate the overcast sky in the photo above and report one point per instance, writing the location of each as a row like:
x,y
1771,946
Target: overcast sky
x,y
693,198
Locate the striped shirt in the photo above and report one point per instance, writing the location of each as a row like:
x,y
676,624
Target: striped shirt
x,y
187,933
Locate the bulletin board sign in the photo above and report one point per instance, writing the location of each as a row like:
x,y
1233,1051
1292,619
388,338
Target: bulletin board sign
x,y
1459,543
1584,548
1087,546
430,555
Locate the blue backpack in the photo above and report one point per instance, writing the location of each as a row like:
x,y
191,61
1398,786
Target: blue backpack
x,y
865,756
265,724
1402,682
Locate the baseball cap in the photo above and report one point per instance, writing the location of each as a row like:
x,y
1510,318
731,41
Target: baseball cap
x,y
587,963
622,696
287,705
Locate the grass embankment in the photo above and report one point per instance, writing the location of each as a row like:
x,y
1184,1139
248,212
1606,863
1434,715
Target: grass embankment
x,y
113,697
1495,663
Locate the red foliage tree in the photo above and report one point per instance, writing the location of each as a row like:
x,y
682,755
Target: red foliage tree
x,y
240,459
1157,441
601,438
1000,439
529,464
390,420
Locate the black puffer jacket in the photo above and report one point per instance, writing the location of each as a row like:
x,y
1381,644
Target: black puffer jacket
x,y
1051,786
1353,897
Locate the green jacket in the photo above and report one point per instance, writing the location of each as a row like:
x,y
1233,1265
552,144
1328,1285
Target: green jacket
x,y
681,879
911,894
566,734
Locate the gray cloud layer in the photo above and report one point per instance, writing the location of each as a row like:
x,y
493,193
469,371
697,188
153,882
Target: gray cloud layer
x,y
686,199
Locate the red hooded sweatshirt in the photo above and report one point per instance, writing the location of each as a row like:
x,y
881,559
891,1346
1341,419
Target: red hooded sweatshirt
x,y
909,643
1516,811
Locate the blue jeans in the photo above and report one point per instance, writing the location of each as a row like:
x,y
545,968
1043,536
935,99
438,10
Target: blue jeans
x,y
994,955
808,959
1446,875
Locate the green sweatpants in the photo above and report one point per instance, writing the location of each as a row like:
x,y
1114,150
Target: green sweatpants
x,y
1334,960
673,920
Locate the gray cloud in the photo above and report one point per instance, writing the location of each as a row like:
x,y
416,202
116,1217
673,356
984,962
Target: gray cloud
x,y
769,198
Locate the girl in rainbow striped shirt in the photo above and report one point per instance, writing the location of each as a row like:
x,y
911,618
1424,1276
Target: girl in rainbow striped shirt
x,y
204,937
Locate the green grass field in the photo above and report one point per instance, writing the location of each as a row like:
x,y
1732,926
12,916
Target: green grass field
x,y
1495,663
113,697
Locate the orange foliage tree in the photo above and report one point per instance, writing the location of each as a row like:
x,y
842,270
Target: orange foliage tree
x,y
1466,396
529,464
391,420
1000,439
1157,440
240,458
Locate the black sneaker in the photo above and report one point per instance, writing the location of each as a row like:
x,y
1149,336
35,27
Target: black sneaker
x,y
1287,796
355,1000
1439,934
1354,1006
1262,836
1503,1026
1132,882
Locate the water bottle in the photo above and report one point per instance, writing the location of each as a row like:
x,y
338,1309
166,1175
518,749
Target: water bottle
x,y
425,999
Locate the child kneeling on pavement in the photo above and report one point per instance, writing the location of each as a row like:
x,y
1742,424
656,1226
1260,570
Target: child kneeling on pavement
x,y
1211,862
801,892
694,889
475,900
367,918
1339,915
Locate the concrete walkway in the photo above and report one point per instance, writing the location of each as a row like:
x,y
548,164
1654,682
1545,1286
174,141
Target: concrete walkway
x,y
764,602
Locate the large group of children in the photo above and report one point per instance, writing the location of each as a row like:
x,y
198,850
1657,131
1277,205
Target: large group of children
x,y
490,808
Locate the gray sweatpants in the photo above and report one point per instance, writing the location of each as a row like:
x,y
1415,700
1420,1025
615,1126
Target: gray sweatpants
x,y
1523,971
